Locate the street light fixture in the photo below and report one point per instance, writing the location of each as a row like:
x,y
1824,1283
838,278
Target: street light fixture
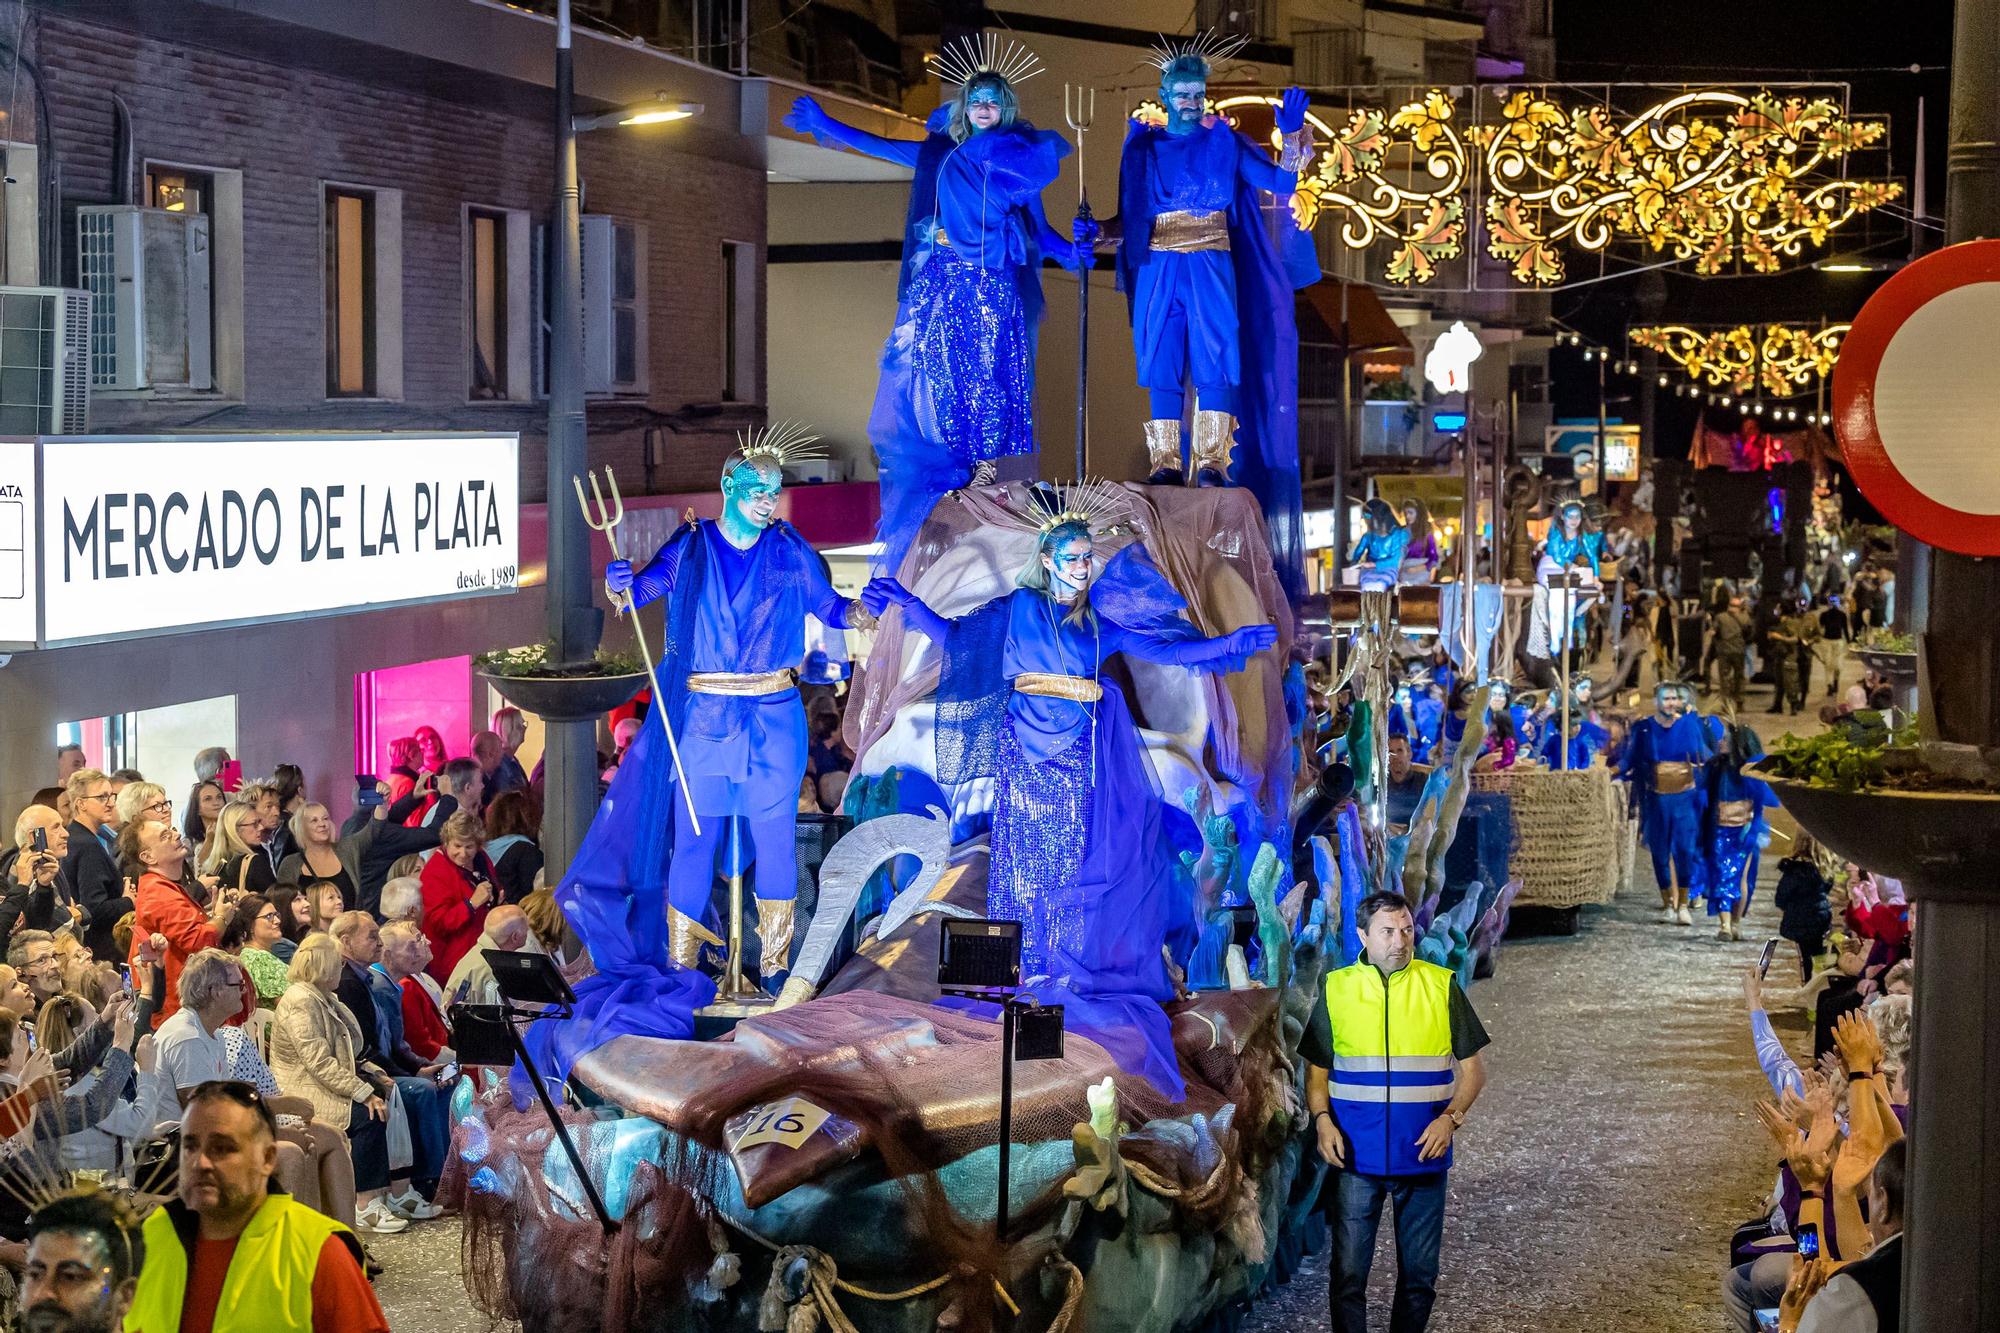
x,y
661,109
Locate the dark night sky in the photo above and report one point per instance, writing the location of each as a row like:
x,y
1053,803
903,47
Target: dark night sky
x,y
1868,46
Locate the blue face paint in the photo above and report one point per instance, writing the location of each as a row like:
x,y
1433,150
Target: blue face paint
x,y
983,97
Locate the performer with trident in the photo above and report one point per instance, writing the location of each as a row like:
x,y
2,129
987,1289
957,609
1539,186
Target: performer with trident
x,y
1210,269
737,590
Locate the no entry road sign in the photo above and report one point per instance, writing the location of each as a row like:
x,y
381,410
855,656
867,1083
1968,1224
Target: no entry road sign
x,y
1916,398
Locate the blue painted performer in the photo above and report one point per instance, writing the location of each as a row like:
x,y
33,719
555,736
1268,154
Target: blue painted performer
x,y
1569,548
1663,763
957,390
1587,736
1733,827
1378,556
1209,258
1077,852
738,590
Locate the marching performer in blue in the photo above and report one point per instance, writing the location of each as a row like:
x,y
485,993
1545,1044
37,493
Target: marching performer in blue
x,y
1733,826
1210,268
1077,852
1587,736
1663,764
957,391
737,590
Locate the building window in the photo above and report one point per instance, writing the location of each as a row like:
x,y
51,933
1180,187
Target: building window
x,y
739,322
178,190
624,306
486,303
350,294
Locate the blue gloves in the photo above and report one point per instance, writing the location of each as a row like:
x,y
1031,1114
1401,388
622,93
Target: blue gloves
x,y
1291,115
806,117
1251,639
618,577
1085,229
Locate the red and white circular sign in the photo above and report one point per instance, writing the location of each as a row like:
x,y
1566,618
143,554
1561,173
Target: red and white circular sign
x,y
1916,398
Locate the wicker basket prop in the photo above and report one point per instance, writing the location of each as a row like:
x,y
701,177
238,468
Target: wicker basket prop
x,y
1572,841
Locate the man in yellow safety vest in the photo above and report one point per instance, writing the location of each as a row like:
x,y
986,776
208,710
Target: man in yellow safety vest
x,y
1393,1055
233,1255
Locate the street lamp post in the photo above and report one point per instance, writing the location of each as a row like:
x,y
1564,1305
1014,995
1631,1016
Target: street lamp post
x,y
575,623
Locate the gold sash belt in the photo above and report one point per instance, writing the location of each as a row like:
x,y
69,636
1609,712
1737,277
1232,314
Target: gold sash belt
x,y
1080,688
740,682
1187,229
1735,814
1671,777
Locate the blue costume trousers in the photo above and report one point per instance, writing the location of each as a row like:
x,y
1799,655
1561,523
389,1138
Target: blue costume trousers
x,y
1673,836
1731,852
1184,326
771,840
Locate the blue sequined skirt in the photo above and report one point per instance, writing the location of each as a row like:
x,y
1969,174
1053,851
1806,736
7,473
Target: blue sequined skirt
x,y
972,369
1041,828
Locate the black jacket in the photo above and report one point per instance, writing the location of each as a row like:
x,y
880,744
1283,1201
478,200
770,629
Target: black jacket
x,y
1804,915
1880,1277
391,842
25,907
99,887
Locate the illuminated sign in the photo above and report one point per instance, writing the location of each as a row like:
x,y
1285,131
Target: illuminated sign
x,y
165,534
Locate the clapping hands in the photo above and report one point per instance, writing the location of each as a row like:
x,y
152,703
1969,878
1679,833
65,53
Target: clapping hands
x,y
1859,1044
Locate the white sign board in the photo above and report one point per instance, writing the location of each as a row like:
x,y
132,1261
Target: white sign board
x,y
18,599
174,533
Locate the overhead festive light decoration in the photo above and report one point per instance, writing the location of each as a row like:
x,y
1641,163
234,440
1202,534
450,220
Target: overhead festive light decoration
x,y
1778,359
1715,176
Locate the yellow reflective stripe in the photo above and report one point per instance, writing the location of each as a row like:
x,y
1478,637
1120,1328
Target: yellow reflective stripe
x,y
1402,1092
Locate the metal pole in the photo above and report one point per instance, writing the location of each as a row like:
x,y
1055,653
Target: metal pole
x,y
1342,454
574,622
1951,1268
1006,1114
1602,489
1562,662
1468,531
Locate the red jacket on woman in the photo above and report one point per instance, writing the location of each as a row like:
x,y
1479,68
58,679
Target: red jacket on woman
x,y
451,923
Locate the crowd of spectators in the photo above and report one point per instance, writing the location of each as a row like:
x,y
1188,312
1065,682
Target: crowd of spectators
x,y
257,995
1827,1255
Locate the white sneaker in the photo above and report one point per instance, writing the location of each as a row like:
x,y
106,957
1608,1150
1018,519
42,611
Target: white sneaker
x,y
1666,916
412,1205
1685,917
378,1218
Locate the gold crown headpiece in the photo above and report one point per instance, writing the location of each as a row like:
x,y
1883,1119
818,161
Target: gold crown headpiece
x,y
964,60
1207,46
1083,502
781,442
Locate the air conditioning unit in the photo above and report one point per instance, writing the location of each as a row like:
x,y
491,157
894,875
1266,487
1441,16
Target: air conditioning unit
x,y
44,361
148,274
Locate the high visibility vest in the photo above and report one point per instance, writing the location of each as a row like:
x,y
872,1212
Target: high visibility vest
x,y
269,1285
1392,1069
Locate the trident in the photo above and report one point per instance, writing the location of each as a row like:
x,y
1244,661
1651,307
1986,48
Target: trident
x,y
605,519
1079,110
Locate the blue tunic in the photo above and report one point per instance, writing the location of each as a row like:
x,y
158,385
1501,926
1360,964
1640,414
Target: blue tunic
x,y
1381,553
1670,822
1223,318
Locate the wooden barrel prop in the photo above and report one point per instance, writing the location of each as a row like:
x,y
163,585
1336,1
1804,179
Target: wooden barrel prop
x,y
1420,608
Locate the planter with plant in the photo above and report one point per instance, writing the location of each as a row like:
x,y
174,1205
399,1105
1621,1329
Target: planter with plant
x,y
1869,790
560,692
1892,654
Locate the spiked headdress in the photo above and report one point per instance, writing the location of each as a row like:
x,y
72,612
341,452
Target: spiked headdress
x,y
1085,502
781,442
1204,48
964,60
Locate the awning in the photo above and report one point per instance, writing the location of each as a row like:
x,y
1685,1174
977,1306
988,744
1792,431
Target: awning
x,y
1369,334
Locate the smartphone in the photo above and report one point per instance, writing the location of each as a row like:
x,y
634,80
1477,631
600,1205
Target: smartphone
x,y
1808,1238
365,794
231,776
449,1074
1764,959
40,842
